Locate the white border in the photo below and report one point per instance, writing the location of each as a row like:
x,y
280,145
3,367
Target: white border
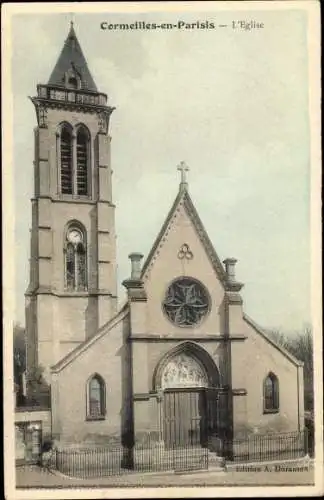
x,y
313,10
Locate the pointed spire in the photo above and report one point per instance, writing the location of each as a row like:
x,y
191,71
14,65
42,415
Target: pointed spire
x,y
72,62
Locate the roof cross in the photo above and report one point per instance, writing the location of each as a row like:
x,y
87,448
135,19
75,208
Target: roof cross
x,y
183,168
71,19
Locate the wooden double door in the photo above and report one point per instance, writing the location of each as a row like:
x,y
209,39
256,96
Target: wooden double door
x,y
185,417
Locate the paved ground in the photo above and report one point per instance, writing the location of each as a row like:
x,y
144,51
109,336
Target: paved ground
x,y
34,477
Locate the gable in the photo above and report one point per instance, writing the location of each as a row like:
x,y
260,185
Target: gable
x,y
183,206
183,250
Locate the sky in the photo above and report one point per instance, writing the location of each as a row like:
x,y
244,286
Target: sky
x,y
232,103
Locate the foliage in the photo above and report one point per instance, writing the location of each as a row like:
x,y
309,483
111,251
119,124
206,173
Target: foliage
x,y
19,351
36,379
300,345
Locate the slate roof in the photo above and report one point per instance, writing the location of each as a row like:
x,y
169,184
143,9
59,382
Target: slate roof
x,y
72,55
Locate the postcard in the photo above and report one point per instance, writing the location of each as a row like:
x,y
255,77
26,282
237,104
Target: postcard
x,y
162,251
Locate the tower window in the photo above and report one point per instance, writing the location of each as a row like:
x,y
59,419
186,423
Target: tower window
x,y
82,162
66,162
74,160
271,394
75,260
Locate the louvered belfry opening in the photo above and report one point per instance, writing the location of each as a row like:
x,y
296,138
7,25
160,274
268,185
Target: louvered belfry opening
x,y
82,162
66,162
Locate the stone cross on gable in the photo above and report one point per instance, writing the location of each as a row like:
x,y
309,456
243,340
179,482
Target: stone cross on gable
x,y
71,15
183,168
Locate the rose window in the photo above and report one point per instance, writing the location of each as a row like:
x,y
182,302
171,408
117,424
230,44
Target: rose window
x,y
186,302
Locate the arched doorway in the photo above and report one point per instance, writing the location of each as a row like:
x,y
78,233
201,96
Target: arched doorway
x,y
189,380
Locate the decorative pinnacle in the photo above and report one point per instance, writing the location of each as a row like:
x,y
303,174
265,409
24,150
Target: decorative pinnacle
x,y
183,168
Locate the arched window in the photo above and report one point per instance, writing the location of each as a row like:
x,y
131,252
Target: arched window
x,y
96,405
66,161
73,160
271,393
82,162
75,259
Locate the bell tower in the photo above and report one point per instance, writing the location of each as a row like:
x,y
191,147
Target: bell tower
x,y
72,288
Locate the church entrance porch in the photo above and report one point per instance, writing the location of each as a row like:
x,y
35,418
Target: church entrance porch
x,y
189,406
184,417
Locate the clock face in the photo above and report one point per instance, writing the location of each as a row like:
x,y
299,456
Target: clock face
x,y
186,302
74,236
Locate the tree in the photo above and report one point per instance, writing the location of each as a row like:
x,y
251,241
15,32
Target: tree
x,y
300,345
36,387
19,347
19,360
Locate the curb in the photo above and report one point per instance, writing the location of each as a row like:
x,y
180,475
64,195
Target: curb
x,y
216,469
306,460
171,472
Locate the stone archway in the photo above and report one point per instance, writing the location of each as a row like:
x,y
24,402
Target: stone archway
x,y
185,376
187,357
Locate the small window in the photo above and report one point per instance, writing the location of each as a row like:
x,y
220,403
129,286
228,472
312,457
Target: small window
x,y
271,394
96,398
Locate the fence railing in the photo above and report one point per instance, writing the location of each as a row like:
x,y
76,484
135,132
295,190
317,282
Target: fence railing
x,y
154,457
284,446
100,462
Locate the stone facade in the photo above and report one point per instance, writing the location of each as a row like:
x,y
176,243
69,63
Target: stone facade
x,y
182,329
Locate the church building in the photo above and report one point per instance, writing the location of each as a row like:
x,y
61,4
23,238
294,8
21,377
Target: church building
x,y
179,361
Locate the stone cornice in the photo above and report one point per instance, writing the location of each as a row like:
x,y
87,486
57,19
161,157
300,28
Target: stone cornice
x,y
145,396
233,298
61,199
49,291
233,286
138,337
135,290
72,106
42,104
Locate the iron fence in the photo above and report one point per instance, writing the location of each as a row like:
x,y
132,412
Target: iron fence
x,y
154,457
268,447
99,462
